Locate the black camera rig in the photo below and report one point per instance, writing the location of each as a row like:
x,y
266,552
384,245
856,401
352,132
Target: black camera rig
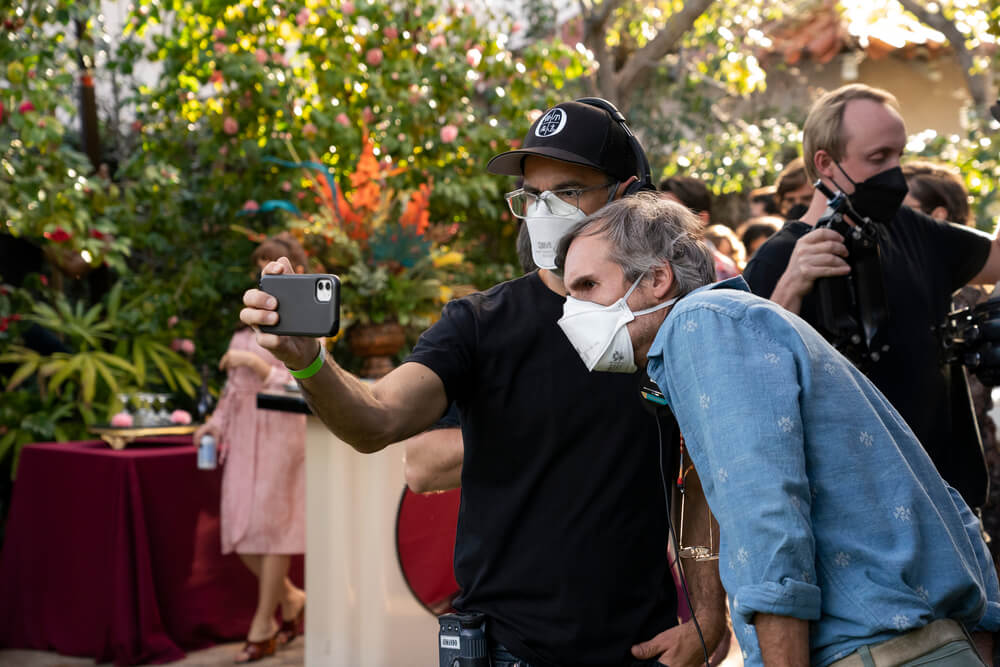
x,y
852,309
971,337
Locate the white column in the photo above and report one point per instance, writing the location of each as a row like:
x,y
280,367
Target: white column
x,y
360,610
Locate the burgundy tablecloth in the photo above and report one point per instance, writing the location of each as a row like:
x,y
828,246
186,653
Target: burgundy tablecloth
x,y
116,555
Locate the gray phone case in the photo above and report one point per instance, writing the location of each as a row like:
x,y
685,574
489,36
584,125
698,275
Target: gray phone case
x,y
300,310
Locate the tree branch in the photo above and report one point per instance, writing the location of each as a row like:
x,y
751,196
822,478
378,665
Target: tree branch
x,y
666,39
976,83
595,19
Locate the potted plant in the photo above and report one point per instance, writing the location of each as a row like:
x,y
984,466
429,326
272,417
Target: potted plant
x,y
395,267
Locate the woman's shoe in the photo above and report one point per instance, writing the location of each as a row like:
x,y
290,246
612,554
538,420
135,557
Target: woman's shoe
x,y
289,630
254,651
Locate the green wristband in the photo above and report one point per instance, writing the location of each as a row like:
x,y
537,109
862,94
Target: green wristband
x,y
312,368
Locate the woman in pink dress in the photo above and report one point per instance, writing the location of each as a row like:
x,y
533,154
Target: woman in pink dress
x,y
263,481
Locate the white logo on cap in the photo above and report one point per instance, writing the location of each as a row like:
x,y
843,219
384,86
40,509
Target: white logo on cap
x,y
551,123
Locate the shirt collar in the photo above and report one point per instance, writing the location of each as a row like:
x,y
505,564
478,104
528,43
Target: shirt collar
x,y
737,283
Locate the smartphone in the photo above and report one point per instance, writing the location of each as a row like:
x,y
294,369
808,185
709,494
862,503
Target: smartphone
x,y
308,304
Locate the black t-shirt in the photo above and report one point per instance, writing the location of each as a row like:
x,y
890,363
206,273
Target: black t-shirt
x,y
562,530
923,262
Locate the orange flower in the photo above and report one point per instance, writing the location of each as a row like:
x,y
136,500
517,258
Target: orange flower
x,y
416,214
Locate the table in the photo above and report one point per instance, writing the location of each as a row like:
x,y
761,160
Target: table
x,y
115,555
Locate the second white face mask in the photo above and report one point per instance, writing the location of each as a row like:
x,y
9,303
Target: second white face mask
x,y
546,230
599,334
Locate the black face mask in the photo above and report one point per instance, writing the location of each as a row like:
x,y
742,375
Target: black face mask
x,y
880,196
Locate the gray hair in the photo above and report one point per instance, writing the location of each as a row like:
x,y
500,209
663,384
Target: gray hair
x,y
647,230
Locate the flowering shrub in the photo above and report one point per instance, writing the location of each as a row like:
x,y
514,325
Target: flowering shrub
x,y
393,264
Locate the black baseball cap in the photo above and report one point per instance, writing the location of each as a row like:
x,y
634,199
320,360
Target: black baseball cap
x,y
577,133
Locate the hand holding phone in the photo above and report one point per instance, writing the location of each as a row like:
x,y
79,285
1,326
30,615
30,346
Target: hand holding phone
x,y
308,304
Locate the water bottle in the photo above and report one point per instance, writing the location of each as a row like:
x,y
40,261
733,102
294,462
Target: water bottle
x,y
207,459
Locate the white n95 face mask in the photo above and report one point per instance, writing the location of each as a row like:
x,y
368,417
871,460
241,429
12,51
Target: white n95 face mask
x,y
599,334
546,229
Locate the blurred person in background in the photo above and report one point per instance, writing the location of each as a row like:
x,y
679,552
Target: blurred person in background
x,y
794,190
755,231
695,195
728,243
263,478
763,201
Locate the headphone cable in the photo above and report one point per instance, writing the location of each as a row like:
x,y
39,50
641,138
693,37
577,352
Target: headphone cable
x,y
673,538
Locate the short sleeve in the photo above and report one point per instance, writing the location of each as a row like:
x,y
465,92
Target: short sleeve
x,y
448,348
962,251
769,262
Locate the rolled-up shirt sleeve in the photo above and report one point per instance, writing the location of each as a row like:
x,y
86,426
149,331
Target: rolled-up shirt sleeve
x,y
738,410
990,622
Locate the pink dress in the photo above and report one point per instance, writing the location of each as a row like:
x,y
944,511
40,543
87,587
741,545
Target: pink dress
x,y
263,480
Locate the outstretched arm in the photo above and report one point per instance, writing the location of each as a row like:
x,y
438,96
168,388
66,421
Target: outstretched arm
x,y
405,402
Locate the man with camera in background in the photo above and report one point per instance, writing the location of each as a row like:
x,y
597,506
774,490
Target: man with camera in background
x,y
841,544
562,535
852,141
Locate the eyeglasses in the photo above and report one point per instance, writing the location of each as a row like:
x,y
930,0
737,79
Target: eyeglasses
x,y
711,552
561,203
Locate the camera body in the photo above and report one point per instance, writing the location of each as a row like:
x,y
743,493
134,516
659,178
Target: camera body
x,y
462,641
852,309
971,337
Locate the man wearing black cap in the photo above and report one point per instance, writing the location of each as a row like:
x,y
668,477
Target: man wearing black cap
x,y
562,533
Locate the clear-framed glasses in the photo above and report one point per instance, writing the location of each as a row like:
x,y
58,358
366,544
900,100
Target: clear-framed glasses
x,y
561,203
698,553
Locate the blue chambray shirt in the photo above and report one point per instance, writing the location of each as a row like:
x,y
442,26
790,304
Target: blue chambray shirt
x,y
829,508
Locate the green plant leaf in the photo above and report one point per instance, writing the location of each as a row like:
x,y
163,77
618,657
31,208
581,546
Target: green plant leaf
x,y
24,371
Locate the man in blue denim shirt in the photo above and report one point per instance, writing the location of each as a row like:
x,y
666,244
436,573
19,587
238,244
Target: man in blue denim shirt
x,y
840,542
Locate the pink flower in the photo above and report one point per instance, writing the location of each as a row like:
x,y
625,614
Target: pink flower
x,y
302,18
517,27
26,106
1,111
286,186
216,77
374,57
391,33
219,48
261,56
279,59
122,420
180,417
185,345
172,321
250,206
230,126
219,33
449,133
473,57
347,8
437,41
367,115
343,119
309,130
